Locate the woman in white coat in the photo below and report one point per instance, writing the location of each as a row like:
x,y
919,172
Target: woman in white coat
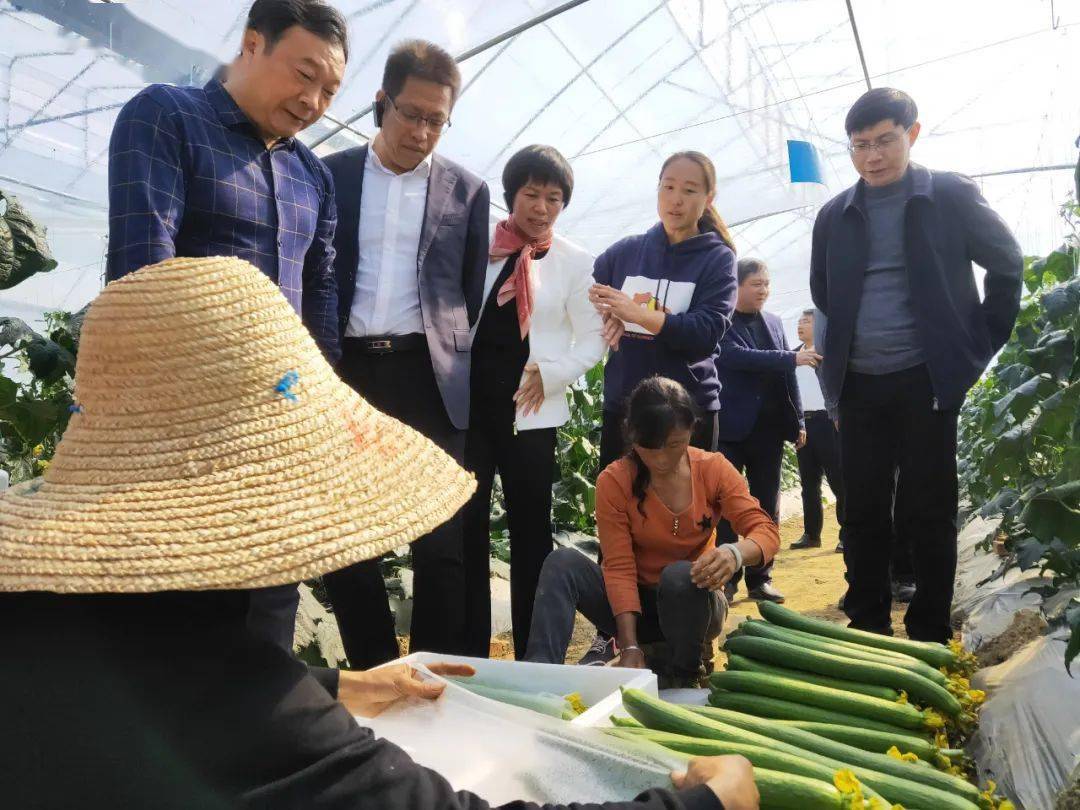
x,y
537,333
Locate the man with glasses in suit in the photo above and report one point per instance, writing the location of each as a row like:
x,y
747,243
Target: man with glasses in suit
x,y
411,257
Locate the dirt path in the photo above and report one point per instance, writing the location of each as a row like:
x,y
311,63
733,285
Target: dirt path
x,y
812,581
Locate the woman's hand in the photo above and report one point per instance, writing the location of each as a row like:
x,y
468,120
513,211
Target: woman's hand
x,y
730,778
807,358
631,659
800,442
616,303
712,570
612,331
369,692
530,396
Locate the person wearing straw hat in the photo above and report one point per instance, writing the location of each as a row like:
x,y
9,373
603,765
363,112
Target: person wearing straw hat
x,y
213,450
219,170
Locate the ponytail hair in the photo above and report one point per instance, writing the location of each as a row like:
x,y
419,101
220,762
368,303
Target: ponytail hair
x,y
711,219
657,406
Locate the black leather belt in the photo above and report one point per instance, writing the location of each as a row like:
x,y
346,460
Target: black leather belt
x,y
386,344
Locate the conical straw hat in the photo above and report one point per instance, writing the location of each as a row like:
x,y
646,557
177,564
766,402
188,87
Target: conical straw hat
x,y
213,447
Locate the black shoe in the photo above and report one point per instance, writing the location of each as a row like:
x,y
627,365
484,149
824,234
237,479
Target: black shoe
x,y
766,592
840,604
903,592
600,653
806,541
840,547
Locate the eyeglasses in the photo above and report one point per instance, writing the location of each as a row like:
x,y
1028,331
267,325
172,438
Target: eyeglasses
x,y
416,119
882,144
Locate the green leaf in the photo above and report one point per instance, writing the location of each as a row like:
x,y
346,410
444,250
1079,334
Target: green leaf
x,y
14,330
48,360
34,420
1062,302
1055,514
9,391
7,251
1054,354
1014,375
1072,649
1022,399
1058,412
1029,552
32,254
1058,266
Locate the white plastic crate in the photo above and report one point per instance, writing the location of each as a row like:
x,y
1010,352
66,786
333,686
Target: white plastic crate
x,y
598,686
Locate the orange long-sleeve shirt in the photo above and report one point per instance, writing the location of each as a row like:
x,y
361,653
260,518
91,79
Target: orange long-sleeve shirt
x,y
637,548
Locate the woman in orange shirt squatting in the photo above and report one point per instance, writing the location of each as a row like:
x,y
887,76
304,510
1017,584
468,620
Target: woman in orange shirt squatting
x,y
662,575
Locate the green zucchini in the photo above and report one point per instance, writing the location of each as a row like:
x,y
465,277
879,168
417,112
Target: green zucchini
x,y
903,715
759,756
624,722
870,739
785,791
845,649
740,663
898,781
918,688
777,709
936,655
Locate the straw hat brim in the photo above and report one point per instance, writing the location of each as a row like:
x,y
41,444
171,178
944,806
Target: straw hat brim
x,y
194,464
225,529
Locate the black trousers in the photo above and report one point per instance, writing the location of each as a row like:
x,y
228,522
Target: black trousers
x,y
675,610
402,384
525,461
758,457
888,422
903,569
819,456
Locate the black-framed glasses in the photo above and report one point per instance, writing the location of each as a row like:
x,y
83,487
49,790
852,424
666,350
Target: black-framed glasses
x,y
413,118
883,144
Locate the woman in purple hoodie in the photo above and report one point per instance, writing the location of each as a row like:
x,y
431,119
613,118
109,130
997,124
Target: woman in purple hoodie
x,y
666,297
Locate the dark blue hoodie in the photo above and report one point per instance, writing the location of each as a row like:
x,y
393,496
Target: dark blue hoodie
x,y
694,282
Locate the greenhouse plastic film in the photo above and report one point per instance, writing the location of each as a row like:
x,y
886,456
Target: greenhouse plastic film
x,y
503,753
1028,740
974,565
992,608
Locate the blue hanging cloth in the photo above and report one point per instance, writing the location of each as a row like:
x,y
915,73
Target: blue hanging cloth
x,y
804,162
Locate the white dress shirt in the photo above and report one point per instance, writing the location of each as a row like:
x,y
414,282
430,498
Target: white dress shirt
x,y
387,300
809,387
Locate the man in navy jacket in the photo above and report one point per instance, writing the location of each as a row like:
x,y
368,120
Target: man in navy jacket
x,y
760,407
908,335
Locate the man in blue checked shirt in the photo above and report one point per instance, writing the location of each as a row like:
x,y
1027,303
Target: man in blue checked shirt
x,y
217,171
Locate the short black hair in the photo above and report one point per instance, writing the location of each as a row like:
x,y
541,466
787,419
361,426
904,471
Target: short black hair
x,y
750,267
809,312
540,164
881,104
272,18
424,60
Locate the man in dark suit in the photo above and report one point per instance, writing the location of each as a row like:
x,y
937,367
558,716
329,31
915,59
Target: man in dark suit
x,y
760,407
411,254
890,265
